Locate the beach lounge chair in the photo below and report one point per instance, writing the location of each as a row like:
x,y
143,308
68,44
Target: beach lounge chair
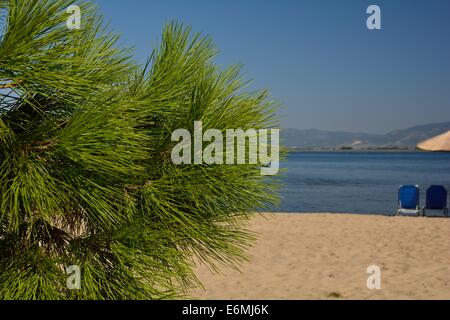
x,y
408,200
437,200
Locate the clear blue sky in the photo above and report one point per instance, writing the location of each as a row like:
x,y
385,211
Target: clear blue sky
x,y
317,57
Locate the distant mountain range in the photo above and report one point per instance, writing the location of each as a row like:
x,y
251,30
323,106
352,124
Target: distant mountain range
x,y
398,139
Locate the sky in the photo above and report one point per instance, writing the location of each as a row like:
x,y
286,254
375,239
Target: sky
x,y
317,57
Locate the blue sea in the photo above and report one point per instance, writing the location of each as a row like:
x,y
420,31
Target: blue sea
x,y
357,182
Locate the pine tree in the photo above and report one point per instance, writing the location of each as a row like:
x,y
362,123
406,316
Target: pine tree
x,y
86,176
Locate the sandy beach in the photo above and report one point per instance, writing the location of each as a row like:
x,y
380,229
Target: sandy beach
x,y
325,256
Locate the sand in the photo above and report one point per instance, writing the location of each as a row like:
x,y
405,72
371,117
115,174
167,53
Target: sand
x,y
325,256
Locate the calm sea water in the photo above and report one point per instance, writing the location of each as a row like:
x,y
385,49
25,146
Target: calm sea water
x,y
357,182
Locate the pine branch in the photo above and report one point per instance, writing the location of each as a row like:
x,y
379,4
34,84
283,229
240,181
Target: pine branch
x,y
85,170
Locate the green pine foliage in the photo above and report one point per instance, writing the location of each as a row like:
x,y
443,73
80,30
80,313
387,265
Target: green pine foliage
x,y
85,171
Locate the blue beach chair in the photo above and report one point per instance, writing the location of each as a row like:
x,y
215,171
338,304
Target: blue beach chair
x,y
408,200
437,200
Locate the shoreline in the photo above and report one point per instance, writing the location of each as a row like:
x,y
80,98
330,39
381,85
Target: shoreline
x,y
326,256
388,215
288,150
332,213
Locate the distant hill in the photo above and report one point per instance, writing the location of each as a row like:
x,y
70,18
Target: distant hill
x,y
412,136
405,138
